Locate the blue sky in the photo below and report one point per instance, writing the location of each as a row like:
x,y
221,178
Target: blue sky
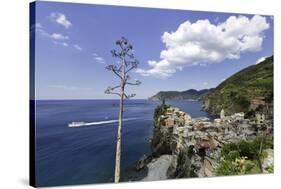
x,y
177,49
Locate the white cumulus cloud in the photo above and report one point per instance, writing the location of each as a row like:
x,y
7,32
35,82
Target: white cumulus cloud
x,y
202,43
60,19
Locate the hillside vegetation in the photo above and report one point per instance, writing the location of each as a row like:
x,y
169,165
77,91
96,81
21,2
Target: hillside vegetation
x,y
190,94
236,93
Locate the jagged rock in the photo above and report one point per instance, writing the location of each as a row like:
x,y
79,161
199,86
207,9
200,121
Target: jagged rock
x,y
143,162
171,172
183,165
213,154
208,168
157,169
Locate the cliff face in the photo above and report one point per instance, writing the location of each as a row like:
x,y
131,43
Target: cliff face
x,y
171,131
167,141
243,91
190,94
193,147
162,142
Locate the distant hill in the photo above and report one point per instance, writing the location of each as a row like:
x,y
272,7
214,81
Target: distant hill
x,y
237,92
190,94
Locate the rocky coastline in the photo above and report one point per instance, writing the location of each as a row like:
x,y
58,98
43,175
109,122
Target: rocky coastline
x,y
184,147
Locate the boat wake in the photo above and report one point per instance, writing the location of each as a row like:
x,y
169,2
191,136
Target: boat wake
x,y
108,121
81,124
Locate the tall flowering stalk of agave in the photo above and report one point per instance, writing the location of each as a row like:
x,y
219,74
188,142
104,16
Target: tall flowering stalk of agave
x,y
126,63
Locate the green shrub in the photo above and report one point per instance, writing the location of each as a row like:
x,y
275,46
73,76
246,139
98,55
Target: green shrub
x,y
270,168
226,168
228,148
244,157
232,155
239,166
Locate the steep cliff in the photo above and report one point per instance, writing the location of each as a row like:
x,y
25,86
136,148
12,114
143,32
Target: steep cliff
x,y
162,142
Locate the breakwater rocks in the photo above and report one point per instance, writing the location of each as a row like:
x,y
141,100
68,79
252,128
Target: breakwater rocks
x,y
183,146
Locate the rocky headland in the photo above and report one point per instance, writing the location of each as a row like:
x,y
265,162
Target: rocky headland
x,y
190,94
183,146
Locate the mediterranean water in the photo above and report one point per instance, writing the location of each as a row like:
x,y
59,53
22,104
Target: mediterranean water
x,y
86,155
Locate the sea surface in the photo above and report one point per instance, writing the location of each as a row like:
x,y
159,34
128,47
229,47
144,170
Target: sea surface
x,y
84,155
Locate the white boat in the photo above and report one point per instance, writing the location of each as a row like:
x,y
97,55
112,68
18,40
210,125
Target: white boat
x,y
76,124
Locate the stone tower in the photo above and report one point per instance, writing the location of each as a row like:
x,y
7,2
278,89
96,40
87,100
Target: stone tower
x,y
163,101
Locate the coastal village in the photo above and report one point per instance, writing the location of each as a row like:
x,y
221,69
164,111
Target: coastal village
x,y
202,140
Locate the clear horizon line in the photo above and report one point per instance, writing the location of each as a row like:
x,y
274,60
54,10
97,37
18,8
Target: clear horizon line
x,y
146,98
92,99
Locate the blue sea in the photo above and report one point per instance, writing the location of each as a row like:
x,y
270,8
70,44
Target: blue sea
x,y
84,155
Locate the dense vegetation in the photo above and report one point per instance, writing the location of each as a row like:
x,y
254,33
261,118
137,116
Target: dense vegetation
x,y
235,93
181,95
244,157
